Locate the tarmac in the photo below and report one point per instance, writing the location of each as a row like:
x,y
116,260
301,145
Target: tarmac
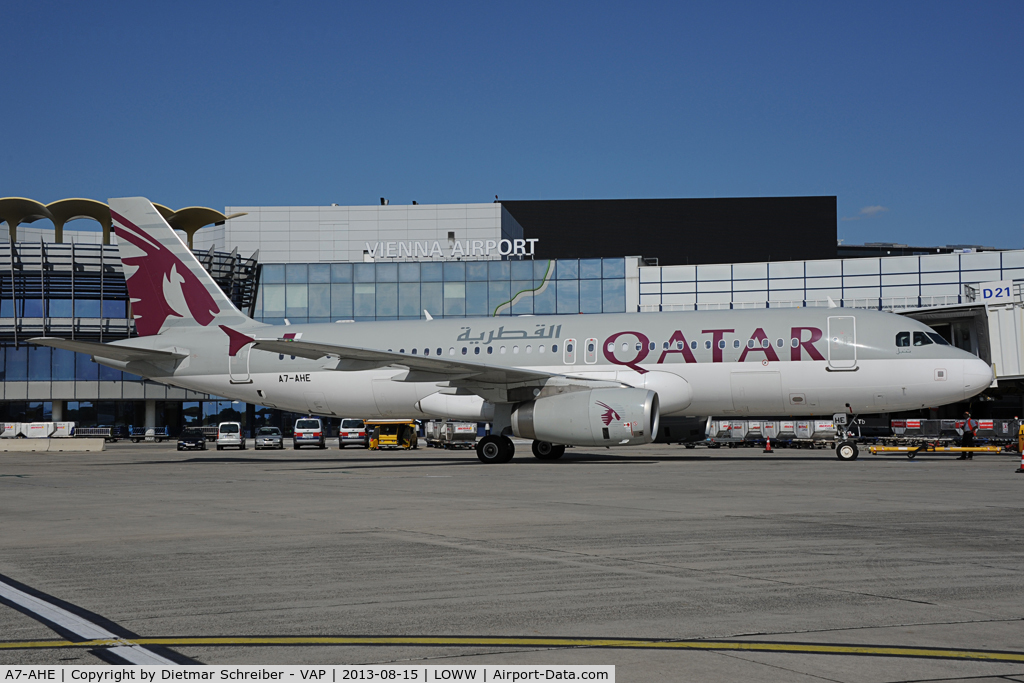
x,y
671,564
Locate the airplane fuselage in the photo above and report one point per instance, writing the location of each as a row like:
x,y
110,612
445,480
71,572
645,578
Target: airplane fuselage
x,y
763,362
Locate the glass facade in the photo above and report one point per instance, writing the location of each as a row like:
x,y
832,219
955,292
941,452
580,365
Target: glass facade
x,y
320,293
886,283
43,364
78,291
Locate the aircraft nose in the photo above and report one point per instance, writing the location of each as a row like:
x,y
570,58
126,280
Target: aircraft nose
x,y
977,376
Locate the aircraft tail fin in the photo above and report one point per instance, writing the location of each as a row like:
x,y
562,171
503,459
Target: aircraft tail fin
x,y
167,285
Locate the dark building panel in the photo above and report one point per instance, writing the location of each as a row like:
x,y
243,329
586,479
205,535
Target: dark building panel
x,y
681,231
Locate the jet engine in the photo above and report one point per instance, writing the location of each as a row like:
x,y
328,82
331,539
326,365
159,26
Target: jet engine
x,y
591,417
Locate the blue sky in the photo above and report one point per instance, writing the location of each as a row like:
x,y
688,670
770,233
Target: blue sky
x,y
910,112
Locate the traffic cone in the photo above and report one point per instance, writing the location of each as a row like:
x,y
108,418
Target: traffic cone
x,y
1020,470
768,449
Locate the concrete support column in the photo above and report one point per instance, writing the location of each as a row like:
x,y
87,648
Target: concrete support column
x,y
58,231
106,224
57,411
12,227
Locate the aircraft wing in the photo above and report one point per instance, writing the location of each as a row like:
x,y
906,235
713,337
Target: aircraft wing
x,y
112,351
422,368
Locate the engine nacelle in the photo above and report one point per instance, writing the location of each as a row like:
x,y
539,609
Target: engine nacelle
x,y
593,417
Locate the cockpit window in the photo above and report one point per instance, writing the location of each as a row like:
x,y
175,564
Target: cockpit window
x,y
921,339
937,338
902,339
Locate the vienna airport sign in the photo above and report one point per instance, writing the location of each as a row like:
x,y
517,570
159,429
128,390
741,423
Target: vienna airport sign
x,y
455,249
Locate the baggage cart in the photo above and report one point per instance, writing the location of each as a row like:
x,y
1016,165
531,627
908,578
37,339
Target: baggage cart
x,y
458,435
137,434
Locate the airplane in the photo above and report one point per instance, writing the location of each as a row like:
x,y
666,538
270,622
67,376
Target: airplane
x,y
559,380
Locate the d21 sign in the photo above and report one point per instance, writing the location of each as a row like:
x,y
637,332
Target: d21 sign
x,y
996,292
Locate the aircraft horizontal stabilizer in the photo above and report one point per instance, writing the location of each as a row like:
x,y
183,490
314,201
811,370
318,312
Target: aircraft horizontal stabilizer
x,y
438,367
111,351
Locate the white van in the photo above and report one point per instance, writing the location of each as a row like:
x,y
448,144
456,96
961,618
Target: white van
x,y
230,434
309,431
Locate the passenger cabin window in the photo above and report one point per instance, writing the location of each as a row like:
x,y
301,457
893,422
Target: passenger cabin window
x,y
569,353
921,339
590,357
902,339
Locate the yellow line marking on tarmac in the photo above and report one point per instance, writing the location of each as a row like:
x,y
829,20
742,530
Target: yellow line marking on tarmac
x,y
706,645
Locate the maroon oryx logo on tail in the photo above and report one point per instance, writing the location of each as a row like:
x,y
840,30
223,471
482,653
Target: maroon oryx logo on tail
x,y
159,269
609,414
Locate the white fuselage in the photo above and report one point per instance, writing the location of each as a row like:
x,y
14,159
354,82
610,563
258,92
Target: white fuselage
x,y
730,363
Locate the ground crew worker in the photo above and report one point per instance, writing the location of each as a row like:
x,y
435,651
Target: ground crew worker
x,y
967,440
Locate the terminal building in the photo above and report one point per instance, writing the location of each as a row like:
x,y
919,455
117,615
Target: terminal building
x,y
287,265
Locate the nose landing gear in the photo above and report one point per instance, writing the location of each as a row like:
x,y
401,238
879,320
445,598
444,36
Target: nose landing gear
x,y
847,450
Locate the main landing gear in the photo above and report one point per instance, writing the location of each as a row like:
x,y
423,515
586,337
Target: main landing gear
x,y
495,449
545,450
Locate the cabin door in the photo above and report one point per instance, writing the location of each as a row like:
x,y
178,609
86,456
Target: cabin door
x,y
842,342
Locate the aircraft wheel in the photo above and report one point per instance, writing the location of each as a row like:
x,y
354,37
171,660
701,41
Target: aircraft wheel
x,y
495,449
545,450
847,450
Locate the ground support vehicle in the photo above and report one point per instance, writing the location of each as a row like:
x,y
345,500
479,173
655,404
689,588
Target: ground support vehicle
x,y
783,433
210,432
912,436
392,434
137,434
229,434
309,431
352,432
37,430
450,435
268,437
432,433
912,451
191,438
